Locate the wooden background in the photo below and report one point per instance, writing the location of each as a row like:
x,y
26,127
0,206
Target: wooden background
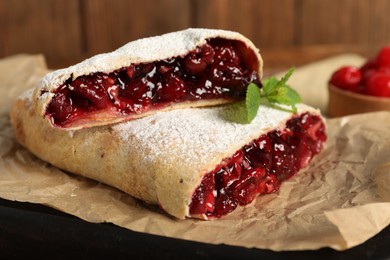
x,y
68,31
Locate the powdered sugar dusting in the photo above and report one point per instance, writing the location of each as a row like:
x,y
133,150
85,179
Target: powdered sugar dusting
x,y
144,50
26,94
198,136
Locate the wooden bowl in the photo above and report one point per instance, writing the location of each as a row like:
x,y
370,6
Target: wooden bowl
x,y
342,102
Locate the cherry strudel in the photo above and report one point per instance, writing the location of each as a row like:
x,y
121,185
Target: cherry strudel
x,y
189,68
191,162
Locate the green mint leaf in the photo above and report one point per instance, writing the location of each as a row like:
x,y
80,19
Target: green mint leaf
x,y
280,93
269,85
244,112
272,84
252,101
235,112
276,92
285,95
284,79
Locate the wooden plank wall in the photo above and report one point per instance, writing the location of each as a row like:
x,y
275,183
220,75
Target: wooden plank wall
x,y
67,31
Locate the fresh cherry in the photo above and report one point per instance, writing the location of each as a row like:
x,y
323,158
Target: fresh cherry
x,y
383,57
347,77
373,78
378,85
367,69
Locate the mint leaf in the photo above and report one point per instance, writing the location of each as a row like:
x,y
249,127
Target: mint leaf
x,y
276,92
269,85
284,79
285,95
244,112
236,112
252,101
272,84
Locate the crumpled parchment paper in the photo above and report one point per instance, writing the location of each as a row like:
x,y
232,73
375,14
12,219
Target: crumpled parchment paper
x,y
341,200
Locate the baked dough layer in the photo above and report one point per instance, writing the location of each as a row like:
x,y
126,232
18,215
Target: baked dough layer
x,y
175,44
160,159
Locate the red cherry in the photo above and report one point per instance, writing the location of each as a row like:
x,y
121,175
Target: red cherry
x,y
368,65
130,71
60,107
203,199
385,70
232,170
107,81
91,88
198,61
237,180
173,89
347,77
378,85
271,183
165,69
226,54
383,57
367,69
247,187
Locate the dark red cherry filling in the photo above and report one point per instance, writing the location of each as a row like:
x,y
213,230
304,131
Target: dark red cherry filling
x,y
259,167
218,69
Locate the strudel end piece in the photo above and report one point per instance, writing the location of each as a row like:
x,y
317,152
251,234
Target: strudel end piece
x,y
189,68
191,162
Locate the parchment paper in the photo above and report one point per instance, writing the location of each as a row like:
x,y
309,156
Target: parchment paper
x,y
340,201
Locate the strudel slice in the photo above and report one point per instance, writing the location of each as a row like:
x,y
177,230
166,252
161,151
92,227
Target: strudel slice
x,y
191,162
189,68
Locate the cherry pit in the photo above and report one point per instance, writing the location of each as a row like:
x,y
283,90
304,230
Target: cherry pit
x,y
372,78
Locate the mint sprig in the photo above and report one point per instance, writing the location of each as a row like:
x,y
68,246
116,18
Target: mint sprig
x,y
252,101
278,92
275,92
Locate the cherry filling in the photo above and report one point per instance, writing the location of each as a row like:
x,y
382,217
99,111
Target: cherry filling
x,y
219,69
259,167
